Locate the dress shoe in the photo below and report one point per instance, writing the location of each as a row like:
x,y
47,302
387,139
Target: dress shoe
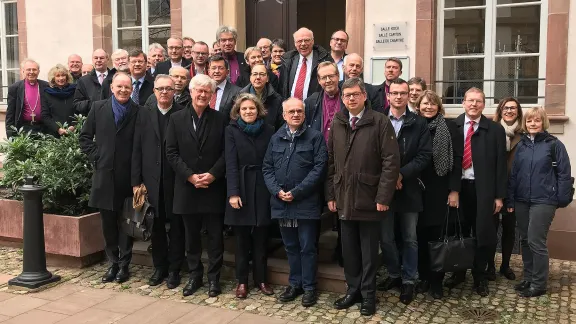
x,y
454,280
123,275
368,307
290,294
192,286
522,285
110,274
347,301
423,286
241,291
389,283
407,294
173,280
436,290
532,292
266,289
491,274
508,273
309,298
214,289
481,288
157,277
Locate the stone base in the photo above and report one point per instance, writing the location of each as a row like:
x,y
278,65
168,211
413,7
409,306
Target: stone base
x,y
33,285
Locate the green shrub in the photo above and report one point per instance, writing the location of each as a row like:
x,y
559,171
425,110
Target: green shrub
x,y
59,164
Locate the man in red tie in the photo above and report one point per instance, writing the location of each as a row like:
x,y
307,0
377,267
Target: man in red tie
x,y
483,184
298,75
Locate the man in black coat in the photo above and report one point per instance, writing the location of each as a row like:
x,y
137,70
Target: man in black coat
x,y
181,78
89,87
195,150
107,139
301,63
354,68
415,146
226,92
142,82
175,47
25,101
150,167
253,56
227,37
484,180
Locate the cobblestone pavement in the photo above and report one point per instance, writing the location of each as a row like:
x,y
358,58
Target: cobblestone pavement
x,y
559,306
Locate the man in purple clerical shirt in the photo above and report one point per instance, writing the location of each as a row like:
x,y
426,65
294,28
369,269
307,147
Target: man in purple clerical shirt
x,y
226,37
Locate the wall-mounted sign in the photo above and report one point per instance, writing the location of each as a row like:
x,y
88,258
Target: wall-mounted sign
x,y
391,36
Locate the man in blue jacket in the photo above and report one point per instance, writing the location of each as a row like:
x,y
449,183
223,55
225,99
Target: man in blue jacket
x,y
294,170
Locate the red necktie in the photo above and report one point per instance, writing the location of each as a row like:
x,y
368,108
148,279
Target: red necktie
x,y
353,122
467,160
213,99
299,91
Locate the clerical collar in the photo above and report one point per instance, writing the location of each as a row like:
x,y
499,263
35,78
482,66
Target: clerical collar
x,y
30,83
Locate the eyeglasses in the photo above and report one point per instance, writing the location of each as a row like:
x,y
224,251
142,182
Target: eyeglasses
x,y
188,46
339,40
510,108
206,92
304,41
474,101
355,95
164,89
293,112
200,53
137,62
398,94
227,40
218,68
265,47
328,77
174,48
262,74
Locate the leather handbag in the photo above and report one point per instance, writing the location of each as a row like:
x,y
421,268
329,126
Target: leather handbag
x,y
452,253
138,216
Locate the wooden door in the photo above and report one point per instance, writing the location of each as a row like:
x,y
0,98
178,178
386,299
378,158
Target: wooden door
x,y
271,19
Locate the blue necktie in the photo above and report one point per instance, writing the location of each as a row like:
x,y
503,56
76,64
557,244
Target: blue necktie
x,y
136,92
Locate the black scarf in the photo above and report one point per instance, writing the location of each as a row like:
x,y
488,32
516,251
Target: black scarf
x,y
61,93
442,154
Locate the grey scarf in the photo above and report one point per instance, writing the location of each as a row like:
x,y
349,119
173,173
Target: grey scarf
x,y
442,154
510,132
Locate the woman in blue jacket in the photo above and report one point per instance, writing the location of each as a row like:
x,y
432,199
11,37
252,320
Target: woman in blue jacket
x,y
539,184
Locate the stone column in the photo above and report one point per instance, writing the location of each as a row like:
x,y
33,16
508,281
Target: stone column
x,y
233,13
355,26
425,40
176,18
102,24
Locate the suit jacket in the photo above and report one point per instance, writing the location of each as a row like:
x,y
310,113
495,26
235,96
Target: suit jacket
x,y
88,90
290,62
229,95
244,80
244,70
16,104
146,89
164,67
149,164
193,152
109,147
490,173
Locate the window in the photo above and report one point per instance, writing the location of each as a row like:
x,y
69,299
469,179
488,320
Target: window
x,y
495,45
9,58
139,23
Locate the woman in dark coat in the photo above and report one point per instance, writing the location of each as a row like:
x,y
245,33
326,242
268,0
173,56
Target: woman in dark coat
x,y
264,91
248,210
57,105
509,115
278,49
442,182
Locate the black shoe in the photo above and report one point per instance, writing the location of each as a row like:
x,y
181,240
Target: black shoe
x,y
407,294
436,290
523,285
368,307
123,275
491,274
157,277
173,280
347,301
389,283
290,294
423,286
309,298
508,273
454,280
110,275
481,288
214,288
531,292
192,286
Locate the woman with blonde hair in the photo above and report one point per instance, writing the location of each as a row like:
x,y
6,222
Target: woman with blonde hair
x,y
57,106
539,183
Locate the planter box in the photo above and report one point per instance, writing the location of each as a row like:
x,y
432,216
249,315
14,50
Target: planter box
x,y
69,240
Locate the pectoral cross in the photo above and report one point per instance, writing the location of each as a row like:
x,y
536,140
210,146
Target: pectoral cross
x,y
33,114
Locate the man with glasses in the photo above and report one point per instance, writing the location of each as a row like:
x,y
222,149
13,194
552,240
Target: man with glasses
x,y
298,74
294,170
226,92
417,85
150,167
253,56
200,54
175,48
338,45
181,78
363,164
188,47
415,146
265,45
142,82
226,37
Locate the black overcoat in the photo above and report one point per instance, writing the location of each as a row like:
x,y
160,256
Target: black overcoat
x,y
88,90
149,165
109,147
146,89
273,104
193,152
244,156
489,162
57,110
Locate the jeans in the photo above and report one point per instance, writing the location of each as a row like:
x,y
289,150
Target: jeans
x,y
408,270
301,249
534,221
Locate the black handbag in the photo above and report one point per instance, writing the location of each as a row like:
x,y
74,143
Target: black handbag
x,y
452,253
137,223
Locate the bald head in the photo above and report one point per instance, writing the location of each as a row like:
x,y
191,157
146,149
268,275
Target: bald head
x,y
87,68
75,64
353,66
100,60
121,87
265,45
293,113
304,41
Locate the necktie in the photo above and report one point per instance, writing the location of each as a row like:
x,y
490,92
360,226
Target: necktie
x,y
213,99
467,160
101,78
353,122
136,92
299,91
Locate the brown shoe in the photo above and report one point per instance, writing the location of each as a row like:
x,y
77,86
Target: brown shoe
x,y
241,291
265,289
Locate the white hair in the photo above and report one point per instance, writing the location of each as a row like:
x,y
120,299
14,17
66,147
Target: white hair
x,y
175,68
346,61
28,60
202,80
155,46
226,29
162,77
302,30
119,52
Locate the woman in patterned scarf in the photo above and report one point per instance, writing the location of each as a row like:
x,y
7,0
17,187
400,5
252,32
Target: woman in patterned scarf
x,y
441,181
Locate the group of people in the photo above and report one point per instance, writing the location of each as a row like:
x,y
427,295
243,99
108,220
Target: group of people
x,y
247,139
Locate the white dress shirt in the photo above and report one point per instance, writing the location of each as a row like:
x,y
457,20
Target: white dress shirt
x,y
219,94
469,173
308,75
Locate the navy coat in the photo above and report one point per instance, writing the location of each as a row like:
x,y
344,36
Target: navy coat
x,y
297,166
